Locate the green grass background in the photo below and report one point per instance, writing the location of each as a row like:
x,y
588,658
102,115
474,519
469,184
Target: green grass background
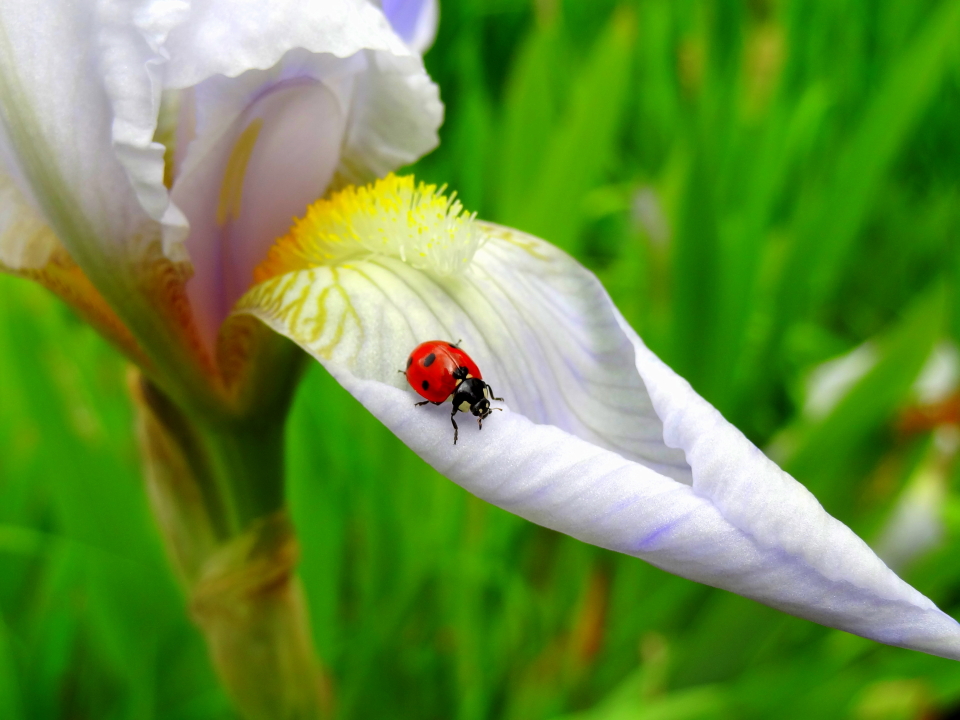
x,y
761,185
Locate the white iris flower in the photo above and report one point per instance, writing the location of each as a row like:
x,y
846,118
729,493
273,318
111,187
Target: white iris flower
x,y
274,103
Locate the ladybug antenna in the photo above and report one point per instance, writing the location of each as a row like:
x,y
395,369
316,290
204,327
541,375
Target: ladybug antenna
x,y
457,344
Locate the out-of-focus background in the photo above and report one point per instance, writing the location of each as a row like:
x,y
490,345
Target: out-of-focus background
x,y
770,190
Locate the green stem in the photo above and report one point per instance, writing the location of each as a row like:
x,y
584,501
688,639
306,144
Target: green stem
x,y
217,491
246,471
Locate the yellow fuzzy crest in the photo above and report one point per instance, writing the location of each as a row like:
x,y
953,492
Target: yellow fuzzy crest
x,y
395,216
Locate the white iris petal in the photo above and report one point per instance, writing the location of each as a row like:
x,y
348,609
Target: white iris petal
x,y
598,438
71,104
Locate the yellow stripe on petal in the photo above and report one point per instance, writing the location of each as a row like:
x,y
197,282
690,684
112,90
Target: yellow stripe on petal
x,y
231,191
394,216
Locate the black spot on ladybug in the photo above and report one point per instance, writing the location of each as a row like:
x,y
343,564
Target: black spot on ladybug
x,y
428,360
425,385
409,362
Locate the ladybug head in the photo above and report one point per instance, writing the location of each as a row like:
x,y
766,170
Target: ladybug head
x,y
481,408
472,393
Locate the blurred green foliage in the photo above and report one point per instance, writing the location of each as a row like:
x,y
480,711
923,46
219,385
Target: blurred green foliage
x,y
762,186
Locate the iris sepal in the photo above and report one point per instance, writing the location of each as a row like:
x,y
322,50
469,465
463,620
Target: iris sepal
x,y
599,439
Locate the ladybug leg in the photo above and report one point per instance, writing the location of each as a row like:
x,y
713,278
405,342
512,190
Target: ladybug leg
x,y
456,430
427,402
492,397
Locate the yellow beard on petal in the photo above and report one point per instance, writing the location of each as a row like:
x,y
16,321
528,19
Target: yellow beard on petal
x,y
395,216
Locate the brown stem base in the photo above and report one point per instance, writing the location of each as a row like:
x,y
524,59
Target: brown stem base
x,y
250,606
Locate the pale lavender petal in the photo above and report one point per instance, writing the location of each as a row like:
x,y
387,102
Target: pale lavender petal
x,y
394,108
592,423
414,20
268,144
332,91
817,569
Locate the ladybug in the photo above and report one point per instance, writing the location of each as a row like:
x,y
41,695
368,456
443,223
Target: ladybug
x,y
441,371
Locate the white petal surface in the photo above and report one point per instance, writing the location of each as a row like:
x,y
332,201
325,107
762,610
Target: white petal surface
x,y
58,119
579,447
133,60
538,325
229,37
396,110
395,115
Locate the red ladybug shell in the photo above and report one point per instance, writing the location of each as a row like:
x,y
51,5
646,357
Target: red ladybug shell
x,y
430,369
